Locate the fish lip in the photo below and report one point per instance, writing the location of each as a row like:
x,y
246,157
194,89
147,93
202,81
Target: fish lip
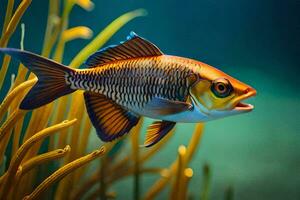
x,y
244,107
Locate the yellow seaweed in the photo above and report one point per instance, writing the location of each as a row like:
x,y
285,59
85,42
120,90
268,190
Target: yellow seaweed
x,y
104,36
7,34
176,188
18,157
35,161
135,133
38,127
58,54
121,168
5,64
13,94
187,175
65,185
86,4
42,158
83,143
17,134
52,30
64,171
6,129
17,87
159,185
8,14
14,22
77,32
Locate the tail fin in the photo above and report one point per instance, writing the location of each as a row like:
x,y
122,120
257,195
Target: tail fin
x,y
51,78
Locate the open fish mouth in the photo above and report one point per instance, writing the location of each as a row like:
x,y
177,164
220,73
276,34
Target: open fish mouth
x,y
244,107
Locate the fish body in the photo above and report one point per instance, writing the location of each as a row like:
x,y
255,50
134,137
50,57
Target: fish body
x,y
134,79
134,83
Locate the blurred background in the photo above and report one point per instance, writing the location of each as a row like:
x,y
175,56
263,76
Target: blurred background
x,y
257,154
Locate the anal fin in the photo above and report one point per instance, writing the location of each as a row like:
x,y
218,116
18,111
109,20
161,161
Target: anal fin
x,y
109,119
156,131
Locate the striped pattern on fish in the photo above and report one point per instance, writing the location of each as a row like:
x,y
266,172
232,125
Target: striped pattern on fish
x,y
133,83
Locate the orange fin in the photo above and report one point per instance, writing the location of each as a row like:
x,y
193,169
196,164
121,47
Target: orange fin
x,y
110,120
51,78
163,106
156,131
133,47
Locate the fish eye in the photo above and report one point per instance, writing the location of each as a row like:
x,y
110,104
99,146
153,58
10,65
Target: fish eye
x,y
221,87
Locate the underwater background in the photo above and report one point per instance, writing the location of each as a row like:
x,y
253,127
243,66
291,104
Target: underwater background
x,y
256,154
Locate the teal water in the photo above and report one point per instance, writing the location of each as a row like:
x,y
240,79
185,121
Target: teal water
x,y
255,41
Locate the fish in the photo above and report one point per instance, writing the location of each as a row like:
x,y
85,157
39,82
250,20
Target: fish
x,y
124,82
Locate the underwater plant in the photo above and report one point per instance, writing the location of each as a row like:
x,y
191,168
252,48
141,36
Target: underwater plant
x,y
44,152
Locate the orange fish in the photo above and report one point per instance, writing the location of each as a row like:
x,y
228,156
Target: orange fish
x,y
134,79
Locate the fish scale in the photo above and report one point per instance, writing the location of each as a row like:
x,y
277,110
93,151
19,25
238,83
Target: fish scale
x,y
133,83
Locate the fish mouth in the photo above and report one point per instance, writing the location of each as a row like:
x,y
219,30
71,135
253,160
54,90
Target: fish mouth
x,y
241,106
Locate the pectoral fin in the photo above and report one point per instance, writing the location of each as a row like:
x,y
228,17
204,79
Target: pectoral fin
x,y
163,106
156,131
110,120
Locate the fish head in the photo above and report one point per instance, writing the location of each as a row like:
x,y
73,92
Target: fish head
x,y
216,94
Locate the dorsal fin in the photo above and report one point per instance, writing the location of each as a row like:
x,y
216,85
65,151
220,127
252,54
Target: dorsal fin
x,y
109,119
133,47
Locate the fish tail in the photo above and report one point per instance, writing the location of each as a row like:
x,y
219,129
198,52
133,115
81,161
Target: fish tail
x,y
51,76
